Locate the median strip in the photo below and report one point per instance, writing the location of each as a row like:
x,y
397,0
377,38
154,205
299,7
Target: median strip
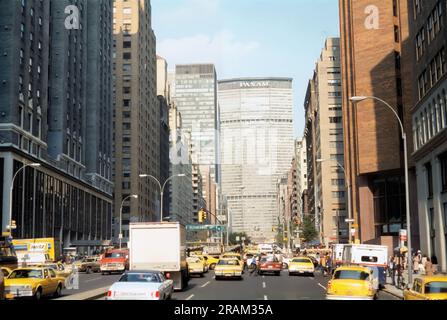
x,y
87,295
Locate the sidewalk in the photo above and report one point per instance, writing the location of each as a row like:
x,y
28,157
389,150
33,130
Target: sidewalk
x,y
393,290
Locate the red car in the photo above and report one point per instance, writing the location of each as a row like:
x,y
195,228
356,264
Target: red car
x,y
270,264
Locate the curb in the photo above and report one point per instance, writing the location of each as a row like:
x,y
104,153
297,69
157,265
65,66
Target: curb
x,y
393,293
88,295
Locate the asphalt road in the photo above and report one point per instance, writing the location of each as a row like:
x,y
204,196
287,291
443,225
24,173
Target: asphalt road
x,y
266,287
92,281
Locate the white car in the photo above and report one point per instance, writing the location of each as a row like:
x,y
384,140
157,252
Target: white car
x,y
141,285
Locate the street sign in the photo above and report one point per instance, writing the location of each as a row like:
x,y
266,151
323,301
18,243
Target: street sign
x,y
205,228
349,220
238,238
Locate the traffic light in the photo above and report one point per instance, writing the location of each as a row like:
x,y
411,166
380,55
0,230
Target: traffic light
x,y
202,216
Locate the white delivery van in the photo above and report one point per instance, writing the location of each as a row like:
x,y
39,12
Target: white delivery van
x,y
159,246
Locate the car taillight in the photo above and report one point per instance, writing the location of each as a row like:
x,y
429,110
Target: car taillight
x,y
155,294
109,293
168,276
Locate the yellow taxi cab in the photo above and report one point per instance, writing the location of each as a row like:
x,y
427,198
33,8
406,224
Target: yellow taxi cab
x,y
427,288
195,266
210,261
228,268
6,271
352,283
302,265
59,268
33,282
233,255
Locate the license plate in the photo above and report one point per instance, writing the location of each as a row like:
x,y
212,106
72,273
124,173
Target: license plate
x,y
270,267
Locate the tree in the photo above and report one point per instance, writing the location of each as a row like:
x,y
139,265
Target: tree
x,y
309,232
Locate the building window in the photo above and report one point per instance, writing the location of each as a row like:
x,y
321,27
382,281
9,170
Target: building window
x,y
432,227
443,164
429,176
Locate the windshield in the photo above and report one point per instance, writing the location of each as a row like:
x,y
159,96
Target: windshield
x,y
436,287
228,263
89,260
114,255
26,274
140,277
351,275
302,260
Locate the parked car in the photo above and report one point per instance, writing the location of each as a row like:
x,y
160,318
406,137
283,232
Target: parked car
x,y
141,285
427,288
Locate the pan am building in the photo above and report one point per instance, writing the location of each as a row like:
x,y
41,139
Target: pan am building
x,y
256,119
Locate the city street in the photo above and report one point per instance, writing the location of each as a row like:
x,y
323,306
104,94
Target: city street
x,y
266,287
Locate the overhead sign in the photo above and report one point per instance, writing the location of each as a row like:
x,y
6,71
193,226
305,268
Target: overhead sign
x,y
205,228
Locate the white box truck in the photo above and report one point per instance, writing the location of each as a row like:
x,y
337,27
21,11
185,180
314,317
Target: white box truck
x,y
159,246
369,256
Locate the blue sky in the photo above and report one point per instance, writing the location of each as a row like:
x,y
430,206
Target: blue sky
x,y
248,38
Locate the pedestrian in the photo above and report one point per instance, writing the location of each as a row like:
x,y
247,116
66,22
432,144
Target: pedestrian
x,y
416,263
254,266
429,268
434,261
422,269
391,266
323,264
328,264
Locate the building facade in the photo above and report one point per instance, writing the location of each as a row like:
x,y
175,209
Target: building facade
x,y
181,190
328,153
137,114
374,51
257,148
43,106
301,175
428,36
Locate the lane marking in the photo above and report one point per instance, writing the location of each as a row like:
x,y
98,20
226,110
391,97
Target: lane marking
x,y
263,285
322,286
263,277
265,298
205,284
190,297
93,280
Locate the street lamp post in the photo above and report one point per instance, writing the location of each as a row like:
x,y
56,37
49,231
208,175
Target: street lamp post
x,y
162,188
407,189
348,186
34,165
120,236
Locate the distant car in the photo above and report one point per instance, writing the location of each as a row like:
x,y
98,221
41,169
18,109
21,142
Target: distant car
x,y
270,264
234,255
141,285
352,283
33,282
301,265
89,265
195,266
228,268
210,261
427,288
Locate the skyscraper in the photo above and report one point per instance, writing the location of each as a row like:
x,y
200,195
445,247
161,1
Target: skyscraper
x,y
196,99
257,149
137,113
327,150
374,49
44,104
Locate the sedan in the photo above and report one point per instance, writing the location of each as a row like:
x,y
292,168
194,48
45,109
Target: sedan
x,y
270,264
141,285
